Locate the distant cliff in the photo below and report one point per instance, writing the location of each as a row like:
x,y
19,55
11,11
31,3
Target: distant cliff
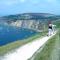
x,y
35,21
29,24
29,16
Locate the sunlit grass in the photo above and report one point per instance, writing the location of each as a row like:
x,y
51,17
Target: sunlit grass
x,y
50,50
47,50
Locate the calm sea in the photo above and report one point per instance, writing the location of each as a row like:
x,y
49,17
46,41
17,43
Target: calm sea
x,y
10,34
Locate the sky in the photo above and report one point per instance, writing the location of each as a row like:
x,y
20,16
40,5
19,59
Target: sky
x,y
8,7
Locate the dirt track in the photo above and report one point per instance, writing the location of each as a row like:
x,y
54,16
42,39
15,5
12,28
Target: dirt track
x,y
26,51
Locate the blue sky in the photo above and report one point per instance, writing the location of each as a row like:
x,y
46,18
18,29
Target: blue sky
x,y
8,7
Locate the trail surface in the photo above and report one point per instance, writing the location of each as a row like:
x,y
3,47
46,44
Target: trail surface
x,y
26,51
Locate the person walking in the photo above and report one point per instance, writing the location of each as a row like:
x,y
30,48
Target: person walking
x,y
50,29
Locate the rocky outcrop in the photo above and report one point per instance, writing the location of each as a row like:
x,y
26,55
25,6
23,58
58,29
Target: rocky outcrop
x,y
29,24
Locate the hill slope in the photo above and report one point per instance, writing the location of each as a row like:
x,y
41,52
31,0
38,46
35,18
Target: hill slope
x,y
30,16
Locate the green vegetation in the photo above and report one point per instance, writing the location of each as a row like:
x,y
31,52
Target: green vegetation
x,y
31,16
46,52
51,50
57,23
14,45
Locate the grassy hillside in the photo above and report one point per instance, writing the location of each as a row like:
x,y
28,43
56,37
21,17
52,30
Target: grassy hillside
x,y
51,50
30,16
57,23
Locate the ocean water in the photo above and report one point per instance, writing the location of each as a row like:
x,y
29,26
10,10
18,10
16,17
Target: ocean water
x,y
10,34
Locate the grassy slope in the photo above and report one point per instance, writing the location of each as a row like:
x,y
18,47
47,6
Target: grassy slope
x,y
12,46
46,53
51,50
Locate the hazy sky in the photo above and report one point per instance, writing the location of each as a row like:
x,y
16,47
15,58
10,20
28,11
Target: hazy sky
x,y
22,6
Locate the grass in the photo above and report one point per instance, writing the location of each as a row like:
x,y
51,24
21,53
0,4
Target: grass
x,y
57,23
14,45
51,50
45,53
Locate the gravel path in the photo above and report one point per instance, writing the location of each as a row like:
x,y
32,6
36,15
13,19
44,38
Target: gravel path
x,y
26,51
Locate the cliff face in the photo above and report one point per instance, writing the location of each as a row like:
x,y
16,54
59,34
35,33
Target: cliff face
x,y
29,24
28,20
